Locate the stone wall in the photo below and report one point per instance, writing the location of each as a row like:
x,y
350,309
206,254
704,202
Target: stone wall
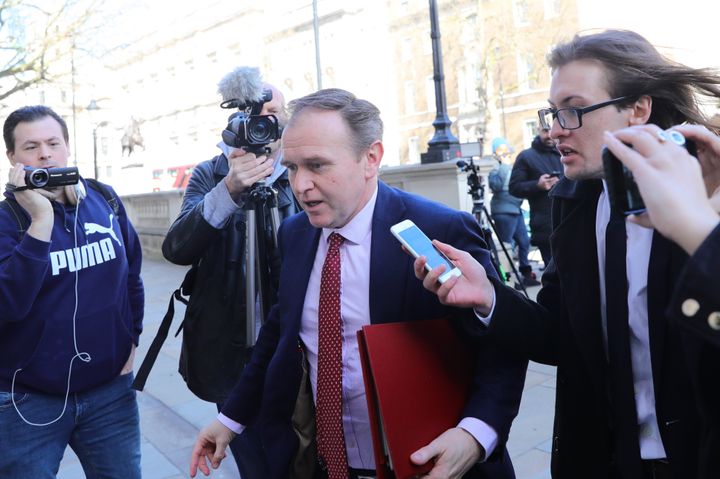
x,y
153,213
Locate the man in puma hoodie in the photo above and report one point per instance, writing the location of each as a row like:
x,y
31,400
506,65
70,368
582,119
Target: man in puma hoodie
x,y
71,308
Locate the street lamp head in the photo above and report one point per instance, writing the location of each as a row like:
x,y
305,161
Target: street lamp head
x,y
93,106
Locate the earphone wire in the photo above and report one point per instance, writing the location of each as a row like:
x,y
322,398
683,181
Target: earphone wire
x,y
84,356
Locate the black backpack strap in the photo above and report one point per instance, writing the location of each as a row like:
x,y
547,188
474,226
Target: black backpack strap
x,y
109,197
20,218
161,335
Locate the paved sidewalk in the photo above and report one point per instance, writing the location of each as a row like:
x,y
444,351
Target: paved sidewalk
x,y
171,416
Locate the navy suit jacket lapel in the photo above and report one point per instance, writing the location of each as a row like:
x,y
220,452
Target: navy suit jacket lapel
x,y
388,262
298,260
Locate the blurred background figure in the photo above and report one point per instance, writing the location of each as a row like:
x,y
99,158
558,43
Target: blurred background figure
x,y
535,172
506,212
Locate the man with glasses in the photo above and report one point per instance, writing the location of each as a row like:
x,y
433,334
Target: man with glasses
x,y
636,393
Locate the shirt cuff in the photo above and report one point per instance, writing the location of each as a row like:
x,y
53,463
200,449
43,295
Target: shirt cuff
x,y
483,434
219,206
486,319
235,427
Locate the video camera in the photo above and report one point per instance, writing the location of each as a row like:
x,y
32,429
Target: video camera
x,y
247,128
50,177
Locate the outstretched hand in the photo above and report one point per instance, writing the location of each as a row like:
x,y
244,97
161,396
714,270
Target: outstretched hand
x,y
210,446
455,451
472,289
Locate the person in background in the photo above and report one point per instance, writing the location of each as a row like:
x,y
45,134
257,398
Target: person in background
x,y
208,232
507,213
535,172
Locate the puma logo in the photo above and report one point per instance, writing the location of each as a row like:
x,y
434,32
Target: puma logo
x,y
91,228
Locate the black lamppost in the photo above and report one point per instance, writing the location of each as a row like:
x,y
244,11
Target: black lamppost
x,y
93,107
443,145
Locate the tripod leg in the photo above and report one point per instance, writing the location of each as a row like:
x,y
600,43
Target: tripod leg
x,y
505,251
264,260
250,270
275,222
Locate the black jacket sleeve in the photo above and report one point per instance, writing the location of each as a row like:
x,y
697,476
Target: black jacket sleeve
x,y
695,304
523,181
190,235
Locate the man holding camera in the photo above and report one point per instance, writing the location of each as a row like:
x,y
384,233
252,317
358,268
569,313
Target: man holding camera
x,y
72,308
637,393
535,172
209,234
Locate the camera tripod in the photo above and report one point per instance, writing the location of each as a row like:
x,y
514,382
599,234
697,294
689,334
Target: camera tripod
x,y
260,242
476,190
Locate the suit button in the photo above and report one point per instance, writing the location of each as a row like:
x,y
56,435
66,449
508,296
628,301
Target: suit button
x,y
714,320
690,307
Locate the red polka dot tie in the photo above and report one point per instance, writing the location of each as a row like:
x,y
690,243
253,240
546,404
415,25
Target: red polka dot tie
x,y
330,437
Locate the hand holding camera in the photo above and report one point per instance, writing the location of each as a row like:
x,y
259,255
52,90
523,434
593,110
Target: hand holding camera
x,y
35,202
246,169
708,153
670,180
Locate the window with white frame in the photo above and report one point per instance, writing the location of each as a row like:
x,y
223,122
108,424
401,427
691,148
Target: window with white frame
x,y
520,12
427,43
409,97
527,77
413,149
552,8
430,92
471,81
406,49
530,129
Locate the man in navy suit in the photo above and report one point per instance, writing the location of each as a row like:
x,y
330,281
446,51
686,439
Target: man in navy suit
x,y
332,148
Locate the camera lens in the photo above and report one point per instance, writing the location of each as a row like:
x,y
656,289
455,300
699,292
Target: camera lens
x,y
260,130
38,178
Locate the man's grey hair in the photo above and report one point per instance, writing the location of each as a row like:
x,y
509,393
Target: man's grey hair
x,y
361,116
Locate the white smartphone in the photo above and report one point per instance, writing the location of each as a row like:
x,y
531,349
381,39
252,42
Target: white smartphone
x,y
418,244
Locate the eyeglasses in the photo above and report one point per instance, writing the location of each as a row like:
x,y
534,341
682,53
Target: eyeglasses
x,y
571,118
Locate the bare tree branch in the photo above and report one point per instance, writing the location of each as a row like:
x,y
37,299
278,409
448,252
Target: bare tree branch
x,y
37,42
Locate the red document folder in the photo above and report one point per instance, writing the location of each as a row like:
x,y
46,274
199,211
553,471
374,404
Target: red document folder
x,y
417,379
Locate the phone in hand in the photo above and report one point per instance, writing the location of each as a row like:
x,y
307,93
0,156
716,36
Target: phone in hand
x,y
418,244
555,174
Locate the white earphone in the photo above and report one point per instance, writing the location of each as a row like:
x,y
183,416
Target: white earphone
x,y
80,191
75,193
